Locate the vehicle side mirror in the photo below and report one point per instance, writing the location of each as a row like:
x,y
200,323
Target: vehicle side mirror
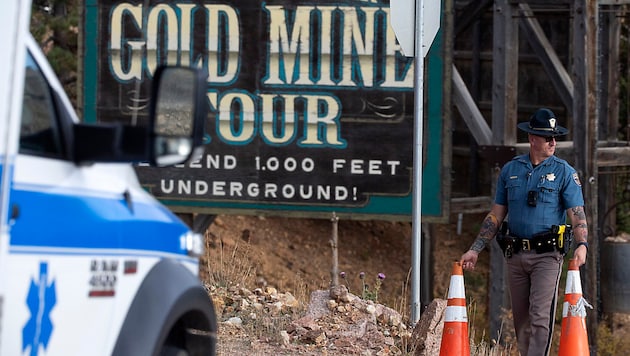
x,y
178,114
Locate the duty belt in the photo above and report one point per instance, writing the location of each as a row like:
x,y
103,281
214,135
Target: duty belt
x,y
558,239
541,244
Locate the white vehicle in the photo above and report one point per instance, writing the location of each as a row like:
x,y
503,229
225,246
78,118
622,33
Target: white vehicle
x,y
90,263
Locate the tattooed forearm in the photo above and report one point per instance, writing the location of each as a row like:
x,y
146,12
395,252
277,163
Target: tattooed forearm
x,y
580,233
580,227
479,244
578,211
489,228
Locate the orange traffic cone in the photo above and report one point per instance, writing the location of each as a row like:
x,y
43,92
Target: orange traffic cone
x,y
573,337
455,334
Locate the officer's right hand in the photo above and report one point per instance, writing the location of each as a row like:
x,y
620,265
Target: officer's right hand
x,y
469,260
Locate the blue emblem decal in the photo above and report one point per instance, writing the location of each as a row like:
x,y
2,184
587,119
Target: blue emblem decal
x,y
40,300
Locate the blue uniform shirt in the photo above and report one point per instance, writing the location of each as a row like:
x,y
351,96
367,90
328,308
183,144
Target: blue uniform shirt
x,y
558,188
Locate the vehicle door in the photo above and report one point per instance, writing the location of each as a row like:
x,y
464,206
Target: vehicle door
x,y
59,300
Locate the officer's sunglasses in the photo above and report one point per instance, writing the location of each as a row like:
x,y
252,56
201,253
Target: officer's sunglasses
x,y
547,138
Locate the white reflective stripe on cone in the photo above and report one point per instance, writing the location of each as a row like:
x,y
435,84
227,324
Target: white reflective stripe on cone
x,y
455,314
573,283
456,288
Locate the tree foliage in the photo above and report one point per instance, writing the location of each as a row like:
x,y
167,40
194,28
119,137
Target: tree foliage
x,y
55,25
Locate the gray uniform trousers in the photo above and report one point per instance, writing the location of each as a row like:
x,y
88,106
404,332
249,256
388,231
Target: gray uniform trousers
x,y
533,280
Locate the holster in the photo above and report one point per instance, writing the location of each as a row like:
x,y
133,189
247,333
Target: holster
x,y
504,242
565,237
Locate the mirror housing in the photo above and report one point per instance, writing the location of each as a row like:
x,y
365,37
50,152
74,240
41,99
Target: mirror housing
x,y
177,116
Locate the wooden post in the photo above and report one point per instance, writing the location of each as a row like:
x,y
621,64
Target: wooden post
x,y
498,296
585,118
334,274
504,120
505,74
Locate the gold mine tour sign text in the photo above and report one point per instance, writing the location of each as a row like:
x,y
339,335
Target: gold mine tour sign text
x,y
288,71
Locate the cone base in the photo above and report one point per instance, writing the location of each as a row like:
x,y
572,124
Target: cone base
x,y
455,339
573,338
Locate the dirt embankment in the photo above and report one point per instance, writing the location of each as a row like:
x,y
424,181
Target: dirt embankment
x,y
295,256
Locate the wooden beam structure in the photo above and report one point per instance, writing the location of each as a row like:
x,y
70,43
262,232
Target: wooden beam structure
x,y
469,111
547,55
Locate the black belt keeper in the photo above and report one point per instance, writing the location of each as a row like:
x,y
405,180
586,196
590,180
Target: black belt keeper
x,y
558,239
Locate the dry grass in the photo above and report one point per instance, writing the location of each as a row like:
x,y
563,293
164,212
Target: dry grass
x,y
233,267
612,336
481,344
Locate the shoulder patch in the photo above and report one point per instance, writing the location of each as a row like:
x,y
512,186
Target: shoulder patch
x,y
576,179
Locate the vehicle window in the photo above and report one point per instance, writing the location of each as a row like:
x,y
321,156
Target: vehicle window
x,y
39,132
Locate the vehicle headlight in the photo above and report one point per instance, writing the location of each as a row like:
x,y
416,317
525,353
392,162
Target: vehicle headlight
x,y
192,243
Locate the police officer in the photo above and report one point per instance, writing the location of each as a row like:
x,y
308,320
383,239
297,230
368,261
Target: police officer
x,y
537,190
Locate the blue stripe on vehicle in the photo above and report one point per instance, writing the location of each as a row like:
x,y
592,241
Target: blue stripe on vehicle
x,y
93,222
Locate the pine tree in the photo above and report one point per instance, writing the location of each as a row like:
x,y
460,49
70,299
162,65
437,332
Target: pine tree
x,y
55,25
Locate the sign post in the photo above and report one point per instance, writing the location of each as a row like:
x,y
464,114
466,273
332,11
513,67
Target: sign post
x,y
415,32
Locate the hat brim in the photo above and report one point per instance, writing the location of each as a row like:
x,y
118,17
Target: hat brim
x,y
559,131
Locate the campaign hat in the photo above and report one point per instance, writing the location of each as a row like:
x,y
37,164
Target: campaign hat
x,y
543,123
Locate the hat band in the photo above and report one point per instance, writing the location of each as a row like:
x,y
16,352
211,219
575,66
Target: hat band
x,y
542,128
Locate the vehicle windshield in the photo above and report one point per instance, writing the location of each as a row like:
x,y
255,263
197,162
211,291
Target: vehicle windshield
x,y
39,132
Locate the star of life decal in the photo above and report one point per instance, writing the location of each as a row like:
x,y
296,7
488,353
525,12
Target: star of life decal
x,y
41,299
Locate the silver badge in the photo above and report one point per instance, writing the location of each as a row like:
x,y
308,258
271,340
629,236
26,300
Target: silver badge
x,y
550,177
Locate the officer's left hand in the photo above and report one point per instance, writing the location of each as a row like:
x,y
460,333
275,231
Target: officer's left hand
x,y
580,254
469,259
